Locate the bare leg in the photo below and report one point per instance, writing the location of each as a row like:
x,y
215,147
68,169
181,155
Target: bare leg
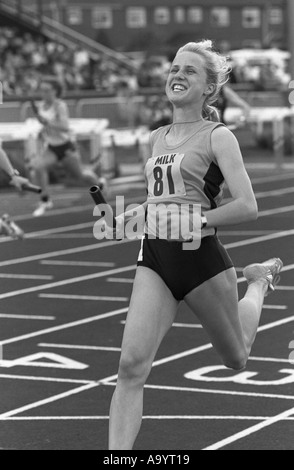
x,y
232,326
41,171
152,312
73,166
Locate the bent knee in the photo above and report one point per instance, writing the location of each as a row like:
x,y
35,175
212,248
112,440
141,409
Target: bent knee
x,y
237,363
134,368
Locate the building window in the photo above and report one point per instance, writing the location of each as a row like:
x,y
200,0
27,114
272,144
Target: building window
x,y
195,15
180,15
136,17
220,17
251,17
75,16
102,18
162,15
276,16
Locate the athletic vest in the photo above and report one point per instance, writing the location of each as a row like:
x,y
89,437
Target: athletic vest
x,y
184,175
55,137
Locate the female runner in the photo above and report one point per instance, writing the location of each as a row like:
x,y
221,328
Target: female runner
x,y
59,144
202,155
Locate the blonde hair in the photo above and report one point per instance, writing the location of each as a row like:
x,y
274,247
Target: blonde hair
x,y
217,70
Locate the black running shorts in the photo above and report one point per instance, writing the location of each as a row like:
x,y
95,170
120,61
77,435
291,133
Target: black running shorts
x,y
183,271
60,150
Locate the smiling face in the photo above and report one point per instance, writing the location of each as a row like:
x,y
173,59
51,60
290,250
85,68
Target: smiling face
x,y
187,81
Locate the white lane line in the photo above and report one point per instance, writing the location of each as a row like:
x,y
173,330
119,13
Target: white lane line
x,y
269,179
77,209
107,380
78,263
94,298
155,418
65,326
251,241
70,251
67,282
44,379
78,347
187,325
252,430
278,210
275,307
270,359
274,193
47,401
205,347
30,277
285,288
67,236
240,233
120,280
214,391
26,317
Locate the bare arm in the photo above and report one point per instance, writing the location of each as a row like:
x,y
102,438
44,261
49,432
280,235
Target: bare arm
x,y
7,167
235,100
243,208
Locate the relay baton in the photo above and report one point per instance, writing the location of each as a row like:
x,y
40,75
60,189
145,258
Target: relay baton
x,y
31,188
98,198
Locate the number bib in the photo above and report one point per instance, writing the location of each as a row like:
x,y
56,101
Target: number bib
x,y
164,176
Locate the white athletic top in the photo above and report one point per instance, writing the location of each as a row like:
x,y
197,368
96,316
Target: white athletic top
x,y
57,113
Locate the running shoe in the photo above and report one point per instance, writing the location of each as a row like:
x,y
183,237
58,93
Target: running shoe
x,y
268,271
42,208
10,229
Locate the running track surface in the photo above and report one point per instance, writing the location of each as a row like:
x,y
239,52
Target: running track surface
x,y
63,303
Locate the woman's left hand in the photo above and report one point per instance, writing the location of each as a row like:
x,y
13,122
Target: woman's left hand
x,y
18,182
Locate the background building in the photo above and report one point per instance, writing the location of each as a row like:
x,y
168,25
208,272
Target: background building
x,y
159,25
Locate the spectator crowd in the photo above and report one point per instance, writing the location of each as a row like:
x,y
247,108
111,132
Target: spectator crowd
x,y
26,58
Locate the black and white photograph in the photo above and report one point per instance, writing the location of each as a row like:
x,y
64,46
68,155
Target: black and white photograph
x,y
146,228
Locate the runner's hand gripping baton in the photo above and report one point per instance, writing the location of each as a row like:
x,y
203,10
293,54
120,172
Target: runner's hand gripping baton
x,y
98,198
31,188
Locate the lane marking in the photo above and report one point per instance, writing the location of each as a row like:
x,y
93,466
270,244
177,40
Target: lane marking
x,y
26,277
52,361
78,347
278,210
285,288
156,418
78,263
66,282
120,280
107,380
187,325
274,193
134,267
45,379
70,251
238,233
205,347
269,179
252,430
216,392
270,359
65,326
26,317
67,236
84,297
47,401
275,307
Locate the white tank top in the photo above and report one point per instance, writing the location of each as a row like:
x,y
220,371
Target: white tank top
x,y
58,112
